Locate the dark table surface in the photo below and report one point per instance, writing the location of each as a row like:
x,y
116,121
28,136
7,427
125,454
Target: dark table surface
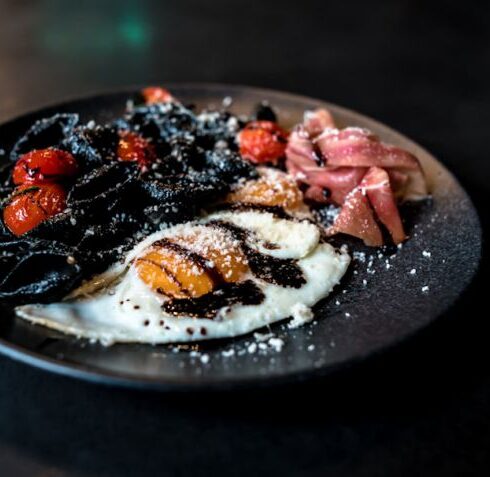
x,y
422,67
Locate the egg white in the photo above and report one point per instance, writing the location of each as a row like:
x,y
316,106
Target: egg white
x,y
118,306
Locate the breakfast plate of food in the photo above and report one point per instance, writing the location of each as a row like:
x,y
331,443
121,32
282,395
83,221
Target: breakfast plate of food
x,y
211,236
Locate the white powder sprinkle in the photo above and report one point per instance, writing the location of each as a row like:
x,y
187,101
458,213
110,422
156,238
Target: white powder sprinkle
x,y
301,314
263,336
425,289
359,256
413,271
276,344
252,348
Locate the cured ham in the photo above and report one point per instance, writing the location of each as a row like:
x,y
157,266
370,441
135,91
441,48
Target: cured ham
x,y
352,168
300,152
315,122
337,182
356,219
376,185
356,147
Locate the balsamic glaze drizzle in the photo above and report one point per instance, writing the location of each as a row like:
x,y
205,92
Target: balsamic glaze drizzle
x,y
211,271
207,306
278,271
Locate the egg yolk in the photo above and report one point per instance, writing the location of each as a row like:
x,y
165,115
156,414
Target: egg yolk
x,y
277,190
221,250
206,261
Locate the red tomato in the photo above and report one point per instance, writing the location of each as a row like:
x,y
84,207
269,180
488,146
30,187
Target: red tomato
x,y
155,94
262,141
43,166
32,204
132,147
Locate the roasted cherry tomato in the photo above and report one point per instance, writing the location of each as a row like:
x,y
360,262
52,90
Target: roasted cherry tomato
x,y
262,141
132,147
42,166
155,94
32,204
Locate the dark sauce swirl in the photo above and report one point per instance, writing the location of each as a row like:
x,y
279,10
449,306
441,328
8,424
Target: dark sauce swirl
x,y
284,272
211,271
207,306
277,271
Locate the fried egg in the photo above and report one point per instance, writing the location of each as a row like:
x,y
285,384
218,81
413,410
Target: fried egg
x,y
224,275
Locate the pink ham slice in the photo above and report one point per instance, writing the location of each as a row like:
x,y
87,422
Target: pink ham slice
x,y
315,122
376,185
356,219
304,166
360,172
356,147
300,151
316,194
339,181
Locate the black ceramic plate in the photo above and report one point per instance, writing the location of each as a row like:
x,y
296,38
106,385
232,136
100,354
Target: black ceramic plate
x,y
369,312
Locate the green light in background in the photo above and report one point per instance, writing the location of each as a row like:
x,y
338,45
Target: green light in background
x,y
134,31
95,31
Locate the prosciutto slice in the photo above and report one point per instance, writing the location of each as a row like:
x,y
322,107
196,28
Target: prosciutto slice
x,y
303,163
317,194
352,168
338,181
300,152
356,219
376,185
356,147
315,122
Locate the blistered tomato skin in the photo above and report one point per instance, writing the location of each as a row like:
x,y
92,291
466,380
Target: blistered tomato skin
x,y
262,141
44,166
155,94
134,148
32,204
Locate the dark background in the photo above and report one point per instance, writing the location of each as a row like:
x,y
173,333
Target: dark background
x,y
423,68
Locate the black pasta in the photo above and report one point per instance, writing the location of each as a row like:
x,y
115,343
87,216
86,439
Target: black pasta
x,y
93,146
49,132
112,204
37,270
160,122
103,190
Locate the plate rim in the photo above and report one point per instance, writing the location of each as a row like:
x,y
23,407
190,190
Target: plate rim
x,y
94,374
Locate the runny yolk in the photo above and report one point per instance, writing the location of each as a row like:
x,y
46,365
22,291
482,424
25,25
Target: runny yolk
x,y
206,261
172,273
221,250
279,190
